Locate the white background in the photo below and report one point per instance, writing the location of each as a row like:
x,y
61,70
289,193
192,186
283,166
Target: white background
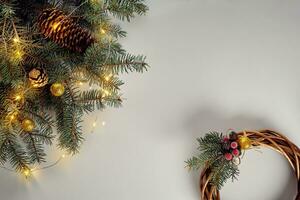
x,y
215,64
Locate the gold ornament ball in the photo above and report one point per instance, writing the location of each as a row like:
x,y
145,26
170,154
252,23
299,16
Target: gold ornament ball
x,y
57,89
244,142
28,125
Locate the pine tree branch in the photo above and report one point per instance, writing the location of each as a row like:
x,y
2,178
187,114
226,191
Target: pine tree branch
x,y
18,158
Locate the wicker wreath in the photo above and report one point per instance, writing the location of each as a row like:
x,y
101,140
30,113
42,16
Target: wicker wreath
x,y
220,151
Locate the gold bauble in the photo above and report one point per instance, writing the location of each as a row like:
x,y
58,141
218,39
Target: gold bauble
x,y
57,89
28,124
244,142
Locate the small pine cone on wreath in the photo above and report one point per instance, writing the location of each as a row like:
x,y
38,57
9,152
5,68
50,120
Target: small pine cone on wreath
x,y
38,77
62,29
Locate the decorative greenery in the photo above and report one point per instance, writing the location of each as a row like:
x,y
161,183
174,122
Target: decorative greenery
x,y
24,47
214,148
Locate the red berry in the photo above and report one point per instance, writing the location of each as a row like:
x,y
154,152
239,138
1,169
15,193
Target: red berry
x,y
234,145
235,152
228,156
225,139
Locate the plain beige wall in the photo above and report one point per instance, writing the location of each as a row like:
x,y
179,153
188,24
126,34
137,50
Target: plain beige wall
x,y
215,64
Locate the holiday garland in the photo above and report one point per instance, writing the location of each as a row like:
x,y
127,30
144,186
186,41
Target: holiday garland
x,y
48,48
221,154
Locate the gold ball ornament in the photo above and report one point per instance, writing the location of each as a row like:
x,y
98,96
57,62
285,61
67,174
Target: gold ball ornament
x,y
57,89
244,142
38,77
28,124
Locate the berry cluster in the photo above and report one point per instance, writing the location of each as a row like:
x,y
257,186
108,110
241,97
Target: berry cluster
x,y
231,148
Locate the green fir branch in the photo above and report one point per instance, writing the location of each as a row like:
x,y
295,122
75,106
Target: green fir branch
x,y
23,47
126,9
126,63
211,156
34,146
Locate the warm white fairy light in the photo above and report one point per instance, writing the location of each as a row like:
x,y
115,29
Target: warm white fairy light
x,y
18,54
80,83
16,39
108,77
27,172
106,93
102,31
103,123
12,117
18,97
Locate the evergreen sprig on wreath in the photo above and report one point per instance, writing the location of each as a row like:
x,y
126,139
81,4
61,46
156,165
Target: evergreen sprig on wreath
x,y
221,154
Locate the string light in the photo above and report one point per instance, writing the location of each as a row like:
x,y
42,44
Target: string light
x,y
19,97
27,172
103,123
80,83
12,117
106,93
108,77
94,124
63,156
16,39
18,54
102,31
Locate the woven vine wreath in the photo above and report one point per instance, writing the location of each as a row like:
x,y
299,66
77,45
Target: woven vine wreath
x,y
221,154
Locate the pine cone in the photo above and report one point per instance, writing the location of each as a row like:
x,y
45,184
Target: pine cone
x,y
62,30
38,77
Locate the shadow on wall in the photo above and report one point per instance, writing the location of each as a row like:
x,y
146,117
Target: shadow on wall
x,y
203,121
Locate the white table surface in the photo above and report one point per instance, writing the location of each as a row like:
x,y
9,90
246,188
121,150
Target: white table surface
x,y
215,64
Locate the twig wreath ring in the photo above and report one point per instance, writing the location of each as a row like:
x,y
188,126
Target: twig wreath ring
x,y
221,154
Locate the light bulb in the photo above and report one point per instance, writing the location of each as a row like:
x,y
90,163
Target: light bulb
x,y
108,77
16,39
12,117
106,93
102,31
27,172
18,97
18,54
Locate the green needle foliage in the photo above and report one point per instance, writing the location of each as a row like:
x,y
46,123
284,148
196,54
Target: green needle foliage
x,y
212,155
23,47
